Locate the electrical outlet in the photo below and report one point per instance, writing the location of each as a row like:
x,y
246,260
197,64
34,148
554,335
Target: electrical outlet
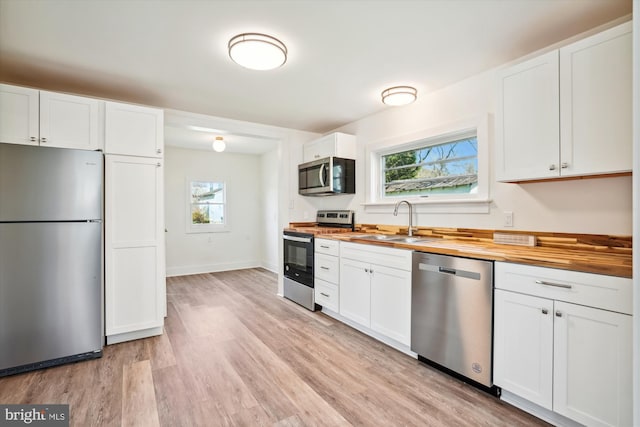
x,y
508,218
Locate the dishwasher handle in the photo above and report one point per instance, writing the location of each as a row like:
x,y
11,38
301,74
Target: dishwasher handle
x,y
449,271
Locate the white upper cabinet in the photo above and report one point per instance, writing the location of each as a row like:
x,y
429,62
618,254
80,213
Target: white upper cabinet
x,y
19,115
33,117
336,144
133,130
595,104
69,121
528,120
568,112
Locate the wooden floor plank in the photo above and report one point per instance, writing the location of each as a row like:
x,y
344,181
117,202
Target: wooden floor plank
x,y
139,408
235,354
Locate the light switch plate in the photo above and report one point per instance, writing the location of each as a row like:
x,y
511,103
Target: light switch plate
x,y
508,218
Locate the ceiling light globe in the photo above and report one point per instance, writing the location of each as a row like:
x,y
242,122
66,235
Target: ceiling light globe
x,y
399,95
219,145
257,51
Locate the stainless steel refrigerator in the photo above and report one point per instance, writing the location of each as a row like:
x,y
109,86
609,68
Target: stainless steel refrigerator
x,y
51,283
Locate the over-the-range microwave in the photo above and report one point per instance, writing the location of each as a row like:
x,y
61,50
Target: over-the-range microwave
x,y
326,177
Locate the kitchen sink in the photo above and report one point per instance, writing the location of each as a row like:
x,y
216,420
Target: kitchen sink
x,y
394,238
378,237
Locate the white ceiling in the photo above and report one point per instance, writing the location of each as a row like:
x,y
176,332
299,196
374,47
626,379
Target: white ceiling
x,y
342,54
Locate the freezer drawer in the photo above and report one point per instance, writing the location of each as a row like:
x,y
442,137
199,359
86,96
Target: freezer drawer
x,y
50,291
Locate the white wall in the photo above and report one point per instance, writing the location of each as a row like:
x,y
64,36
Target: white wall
x,y
240,247
598,206
269,189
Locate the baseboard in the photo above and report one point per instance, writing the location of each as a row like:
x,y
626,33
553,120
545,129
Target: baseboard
x,y
270,266
135,335
210,268
384,339
538,411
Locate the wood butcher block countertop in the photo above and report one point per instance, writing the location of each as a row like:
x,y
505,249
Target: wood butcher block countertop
x,y
601,254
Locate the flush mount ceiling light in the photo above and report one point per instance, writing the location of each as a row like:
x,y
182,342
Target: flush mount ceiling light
x,y
257,51
219,145
399,95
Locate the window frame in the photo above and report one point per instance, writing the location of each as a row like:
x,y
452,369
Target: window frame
x,y
206,228
477,202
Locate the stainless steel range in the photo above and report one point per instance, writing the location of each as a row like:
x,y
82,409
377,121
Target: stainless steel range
x,y
298,254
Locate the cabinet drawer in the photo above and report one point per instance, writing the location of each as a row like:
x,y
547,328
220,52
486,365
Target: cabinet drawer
x,y
327,268
378,255
326,246
594,290
327,295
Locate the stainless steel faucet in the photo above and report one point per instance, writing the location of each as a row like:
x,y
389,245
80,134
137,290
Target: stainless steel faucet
x,y
395,213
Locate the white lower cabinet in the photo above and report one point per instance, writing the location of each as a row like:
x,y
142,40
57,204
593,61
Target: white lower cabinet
x,y
391,303
568,358
523,346
326,274
355,291
134,248
592,365
375,289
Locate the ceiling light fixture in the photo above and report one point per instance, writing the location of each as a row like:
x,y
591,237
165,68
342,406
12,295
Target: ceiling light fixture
x,y
257,51
399,95
219,145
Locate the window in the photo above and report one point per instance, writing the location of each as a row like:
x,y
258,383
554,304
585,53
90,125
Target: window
x,y
207,206
431,169
440,170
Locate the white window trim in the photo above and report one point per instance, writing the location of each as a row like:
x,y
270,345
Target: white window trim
x,y
205,228
454,203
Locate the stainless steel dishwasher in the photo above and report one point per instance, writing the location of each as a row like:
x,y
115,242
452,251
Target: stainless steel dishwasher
x,y
452,314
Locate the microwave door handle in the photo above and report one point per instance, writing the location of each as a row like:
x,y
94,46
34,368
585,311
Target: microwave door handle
x,y
321,175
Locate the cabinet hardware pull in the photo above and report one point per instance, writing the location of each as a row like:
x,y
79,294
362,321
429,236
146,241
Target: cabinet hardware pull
x,y
557,285
545,311
552,167
558,314
43,139
324,247
158,151
33,138
158,164
323,267
366,270
371,270
564,165
324,295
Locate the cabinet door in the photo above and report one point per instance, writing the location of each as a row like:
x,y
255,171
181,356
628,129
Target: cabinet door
x,y
133,130
69,121
592,365
18,115
319,149
528,120
523,346
391,303
355,291
595,104
134,244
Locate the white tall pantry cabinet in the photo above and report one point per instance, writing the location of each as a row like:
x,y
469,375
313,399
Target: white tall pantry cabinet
x,y
135,296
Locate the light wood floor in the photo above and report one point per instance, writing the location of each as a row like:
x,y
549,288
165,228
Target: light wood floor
x,y
236,354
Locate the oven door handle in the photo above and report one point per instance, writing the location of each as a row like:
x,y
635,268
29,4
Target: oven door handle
x,y
297,239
